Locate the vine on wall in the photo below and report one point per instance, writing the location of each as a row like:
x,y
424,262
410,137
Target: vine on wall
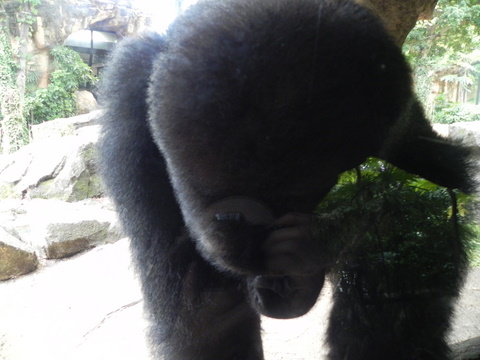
x,y
22,105
18,19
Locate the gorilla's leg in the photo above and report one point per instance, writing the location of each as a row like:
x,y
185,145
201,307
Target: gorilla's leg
x,y
385,326
196,313
396,284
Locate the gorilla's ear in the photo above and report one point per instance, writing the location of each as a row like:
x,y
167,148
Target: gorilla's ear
x,y
415,147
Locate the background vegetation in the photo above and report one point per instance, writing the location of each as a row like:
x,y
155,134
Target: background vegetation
x,y
22,102
405,221
58,100
446,51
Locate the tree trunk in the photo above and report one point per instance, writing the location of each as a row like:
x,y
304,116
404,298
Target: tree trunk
x,y
400,16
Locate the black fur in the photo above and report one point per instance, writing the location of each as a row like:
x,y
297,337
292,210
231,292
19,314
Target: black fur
x,y
266,101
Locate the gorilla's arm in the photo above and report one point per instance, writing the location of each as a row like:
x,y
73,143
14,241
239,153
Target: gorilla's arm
x,y
194,311
131,165
415,147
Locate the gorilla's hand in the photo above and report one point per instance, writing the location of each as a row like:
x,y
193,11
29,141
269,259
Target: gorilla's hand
x,y
290,248
282,259
285,297
292,255
242,236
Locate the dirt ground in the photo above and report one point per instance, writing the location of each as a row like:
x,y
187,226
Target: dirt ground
x,y
90,307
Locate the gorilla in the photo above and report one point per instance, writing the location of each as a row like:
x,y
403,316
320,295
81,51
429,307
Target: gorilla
x,y
222,136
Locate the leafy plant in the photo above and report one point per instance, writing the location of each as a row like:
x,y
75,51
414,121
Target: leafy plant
x,y
8,66
13,66
450,113
406,233
58,99
447,42
13,132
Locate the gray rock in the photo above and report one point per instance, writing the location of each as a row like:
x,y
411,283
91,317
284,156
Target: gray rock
x,y
56,229
469,132
53,166
16,257
77,179
467,350
75,227
85,102
466,131
64,126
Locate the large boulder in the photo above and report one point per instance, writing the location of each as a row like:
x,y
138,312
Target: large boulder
x,y
468,132
86,102
66,126
16,257
69,228
54,229
60,163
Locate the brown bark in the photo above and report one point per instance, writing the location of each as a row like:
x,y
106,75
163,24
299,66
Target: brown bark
x,y
400,16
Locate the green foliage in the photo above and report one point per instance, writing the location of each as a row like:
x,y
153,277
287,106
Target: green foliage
x,y
58,99
51,103
407,233
13,132
453,31
449,113
446,44
29,13
70,70
473,248
33,3
8,67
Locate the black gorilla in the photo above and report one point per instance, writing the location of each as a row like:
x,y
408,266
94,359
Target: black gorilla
x,y
220,139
